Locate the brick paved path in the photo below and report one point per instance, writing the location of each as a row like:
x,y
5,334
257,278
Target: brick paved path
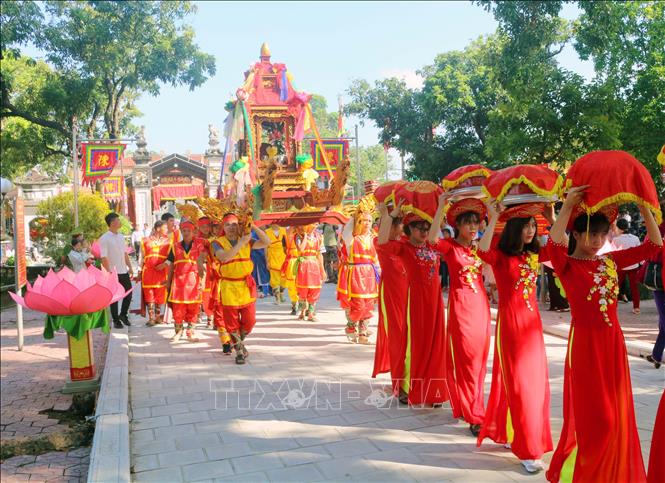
x,y
31,382
189,425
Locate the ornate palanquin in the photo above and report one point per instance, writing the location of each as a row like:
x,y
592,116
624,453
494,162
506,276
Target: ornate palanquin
x,y
273,110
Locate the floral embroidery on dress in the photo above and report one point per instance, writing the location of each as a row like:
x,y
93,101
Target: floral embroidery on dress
x,y
605,283
427,256
528,277
471,271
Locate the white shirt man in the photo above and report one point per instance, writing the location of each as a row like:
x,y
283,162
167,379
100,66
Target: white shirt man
x,y
114,257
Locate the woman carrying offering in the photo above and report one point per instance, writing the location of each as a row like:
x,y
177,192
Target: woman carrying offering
x,y
468,310
424,375
518,409
599,439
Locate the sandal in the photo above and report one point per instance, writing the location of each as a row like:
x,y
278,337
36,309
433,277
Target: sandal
x,y
653,360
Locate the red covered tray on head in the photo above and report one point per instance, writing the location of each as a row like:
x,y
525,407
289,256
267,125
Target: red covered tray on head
x,y
524,183
466,180
420,198
298,218
386,192
614,178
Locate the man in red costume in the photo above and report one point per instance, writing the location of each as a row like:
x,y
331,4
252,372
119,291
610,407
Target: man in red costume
x,y
362,286
237,287
154,272
186,260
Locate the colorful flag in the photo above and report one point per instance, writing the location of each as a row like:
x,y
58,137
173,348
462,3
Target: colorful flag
x,y
99,160
112,188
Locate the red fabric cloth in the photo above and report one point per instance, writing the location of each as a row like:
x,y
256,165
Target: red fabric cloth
x,y
386,192
155,251
154,295
520,391
240,320
343,278
598,412
629,179
464,176
174,192
361,284
309,295
426,373
185,313
360,309
522,179
309,267
656,471
185,283
420,198
391,336
468,332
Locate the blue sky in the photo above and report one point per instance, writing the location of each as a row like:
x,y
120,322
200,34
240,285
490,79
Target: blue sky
x,y
325,45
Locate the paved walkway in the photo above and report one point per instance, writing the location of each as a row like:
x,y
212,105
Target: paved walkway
x,y
305,409
30,383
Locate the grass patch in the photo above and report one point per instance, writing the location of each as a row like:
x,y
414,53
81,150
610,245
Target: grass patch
x,y
78,435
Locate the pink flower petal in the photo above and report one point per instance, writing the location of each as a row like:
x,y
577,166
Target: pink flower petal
x,y
64,293
43,303
50,282
18,299
91,300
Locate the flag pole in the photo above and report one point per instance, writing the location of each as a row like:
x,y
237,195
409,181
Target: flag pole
x,y
75,163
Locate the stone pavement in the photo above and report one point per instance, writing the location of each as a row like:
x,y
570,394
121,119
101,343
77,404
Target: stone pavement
x,y
304,408
30,383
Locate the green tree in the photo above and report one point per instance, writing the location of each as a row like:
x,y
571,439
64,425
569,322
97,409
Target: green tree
x,y
326,121
372,165
101,56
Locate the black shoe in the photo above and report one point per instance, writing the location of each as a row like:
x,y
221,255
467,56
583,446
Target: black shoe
x,y
655,363
475,429
124,320
293,311
117,324
226,348
240,358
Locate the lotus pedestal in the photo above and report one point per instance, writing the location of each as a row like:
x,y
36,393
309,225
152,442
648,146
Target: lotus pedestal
x,y
82,369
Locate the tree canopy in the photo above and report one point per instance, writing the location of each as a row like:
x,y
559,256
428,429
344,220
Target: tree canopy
x,y
505,99
99,57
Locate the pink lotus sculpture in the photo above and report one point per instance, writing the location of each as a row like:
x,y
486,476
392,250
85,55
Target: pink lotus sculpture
x,y
75,302
69,293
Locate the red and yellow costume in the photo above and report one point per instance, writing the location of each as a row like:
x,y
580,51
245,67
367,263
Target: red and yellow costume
x,y
185,295
599,439
468,331
207,288
288,275
343,278
391,337
361,282
309,270
237,289
275,256
424,376
155,251
518,409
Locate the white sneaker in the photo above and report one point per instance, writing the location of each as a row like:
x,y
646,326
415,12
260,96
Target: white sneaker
x,y
533,466
507,446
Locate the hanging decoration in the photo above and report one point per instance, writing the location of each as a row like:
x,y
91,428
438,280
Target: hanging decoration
x,y
99,160
336,150
112,188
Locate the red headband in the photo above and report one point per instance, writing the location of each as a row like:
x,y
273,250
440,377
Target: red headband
x,y
204,220
186,224
230,218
